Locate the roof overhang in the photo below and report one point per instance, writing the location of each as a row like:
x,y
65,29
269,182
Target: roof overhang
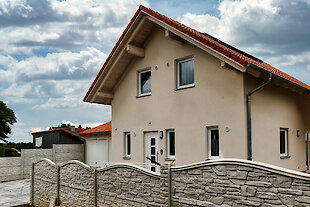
x,y
132,42
130,47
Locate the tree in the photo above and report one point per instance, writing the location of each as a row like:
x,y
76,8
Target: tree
x,y
7,118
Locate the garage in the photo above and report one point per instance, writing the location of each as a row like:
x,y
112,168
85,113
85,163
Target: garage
x,y
97,144
97,151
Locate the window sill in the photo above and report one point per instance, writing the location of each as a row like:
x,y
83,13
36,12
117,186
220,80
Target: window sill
x,y
185,87
285,157
169,159
126,158
143,95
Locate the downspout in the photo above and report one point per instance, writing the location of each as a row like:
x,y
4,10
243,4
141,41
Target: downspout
x,y
249,118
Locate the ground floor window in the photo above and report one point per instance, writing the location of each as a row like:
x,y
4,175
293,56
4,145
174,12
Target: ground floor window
x,y
283,142
213,142
170,144
127,145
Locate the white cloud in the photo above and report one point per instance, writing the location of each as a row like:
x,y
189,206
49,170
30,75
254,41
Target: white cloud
x,y
273,30
62,25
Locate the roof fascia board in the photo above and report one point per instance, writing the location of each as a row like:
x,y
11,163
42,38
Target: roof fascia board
x,y
266,71
200,45
95,133
111,63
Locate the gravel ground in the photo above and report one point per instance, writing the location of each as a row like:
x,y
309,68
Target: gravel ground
x,y
14,193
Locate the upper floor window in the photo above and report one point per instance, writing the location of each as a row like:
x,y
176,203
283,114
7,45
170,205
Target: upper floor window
x,y
145,82
185,73
283,142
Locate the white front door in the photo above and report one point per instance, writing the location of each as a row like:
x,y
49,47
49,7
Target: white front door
x,y
97,151
151,151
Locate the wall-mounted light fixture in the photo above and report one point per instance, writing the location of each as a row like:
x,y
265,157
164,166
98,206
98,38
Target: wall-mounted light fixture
x,y
161,134
227,128
156,68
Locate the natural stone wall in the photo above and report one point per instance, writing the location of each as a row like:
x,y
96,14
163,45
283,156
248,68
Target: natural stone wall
x,y
126,185
231,183
44,183
76,184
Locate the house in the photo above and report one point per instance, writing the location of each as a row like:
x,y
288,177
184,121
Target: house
x,y
97,144
181,96
63,134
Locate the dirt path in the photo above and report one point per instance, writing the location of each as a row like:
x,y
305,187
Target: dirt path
x,y
14,193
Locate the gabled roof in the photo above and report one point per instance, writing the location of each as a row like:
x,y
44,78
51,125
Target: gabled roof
x,y
224,49
103,128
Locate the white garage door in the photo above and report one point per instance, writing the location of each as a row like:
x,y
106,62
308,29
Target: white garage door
x,y
97,152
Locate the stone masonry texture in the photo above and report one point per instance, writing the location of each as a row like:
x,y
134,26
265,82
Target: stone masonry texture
x,y
212,183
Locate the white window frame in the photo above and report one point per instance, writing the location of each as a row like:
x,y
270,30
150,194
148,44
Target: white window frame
x,y
126,154
286,142
209,129
38,142
178,72
139,82
169,156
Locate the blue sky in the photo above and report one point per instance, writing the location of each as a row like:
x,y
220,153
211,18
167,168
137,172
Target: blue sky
x,y
51,50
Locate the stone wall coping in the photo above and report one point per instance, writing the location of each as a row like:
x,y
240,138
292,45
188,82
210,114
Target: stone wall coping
x,y
46,160
247,163
130,166
76,162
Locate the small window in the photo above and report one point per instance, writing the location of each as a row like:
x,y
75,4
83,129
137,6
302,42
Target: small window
x,y
213,143
170,144
38,142
185,73
283,142
145,82
127,144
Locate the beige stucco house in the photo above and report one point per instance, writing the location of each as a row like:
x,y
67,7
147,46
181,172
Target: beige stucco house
x,y
180,96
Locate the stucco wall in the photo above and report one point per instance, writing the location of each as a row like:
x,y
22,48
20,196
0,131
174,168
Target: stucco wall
x,y
275,107
216,99
226,182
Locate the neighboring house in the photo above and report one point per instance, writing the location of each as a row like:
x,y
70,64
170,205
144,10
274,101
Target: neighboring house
x,y
180,96
97,144
57,135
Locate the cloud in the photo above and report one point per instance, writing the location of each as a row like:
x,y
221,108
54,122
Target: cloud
x,y
59,80
276,31
62,25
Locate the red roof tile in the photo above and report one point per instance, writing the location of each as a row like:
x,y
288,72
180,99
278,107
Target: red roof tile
x,y
101,128
207,40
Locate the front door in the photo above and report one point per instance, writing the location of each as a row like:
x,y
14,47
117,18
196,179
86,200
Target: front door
x,y
151,151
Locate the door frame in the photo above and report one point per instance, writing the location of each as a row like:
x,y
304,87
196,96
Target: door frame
x,y
147,149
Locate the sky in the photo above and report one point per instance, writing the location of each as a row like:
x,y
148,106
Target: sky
x,y
51,50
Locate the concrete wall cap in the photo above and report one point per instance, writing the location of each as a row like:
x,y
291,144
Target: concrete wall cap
x,y
76,162
46,160
130,166
247,163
